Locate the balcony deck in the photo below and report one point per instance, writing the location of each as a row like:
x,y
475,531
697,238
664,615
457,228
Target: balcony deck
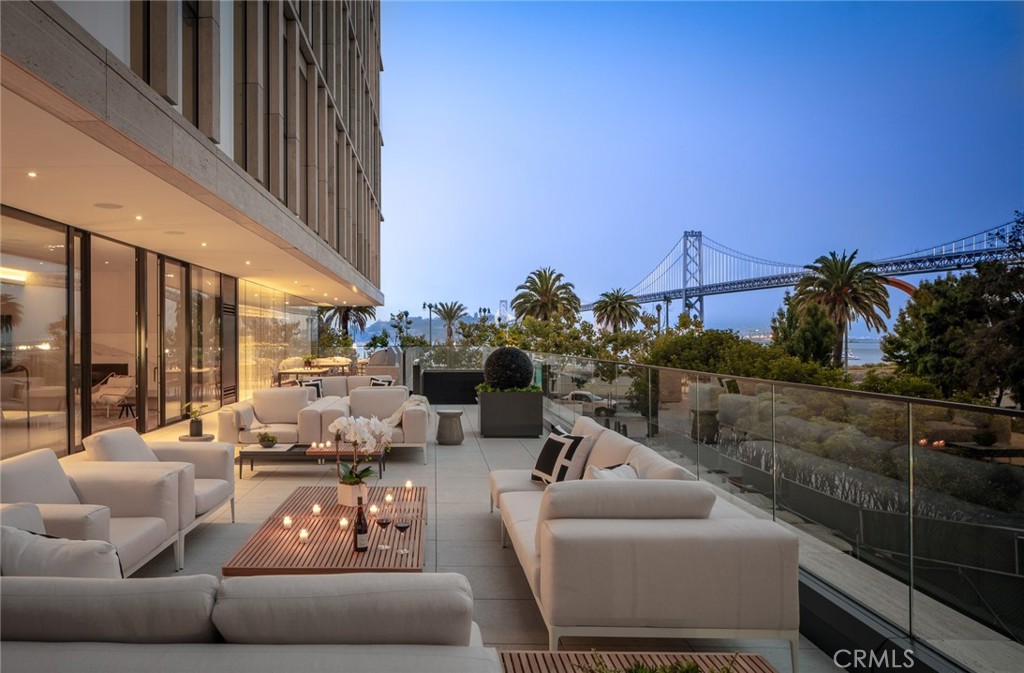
x,y
462,536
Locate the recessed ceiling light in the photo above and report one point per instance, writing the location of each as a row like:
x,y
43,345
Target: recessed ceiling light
x,y
103,262
108,206
138,218
169,275
296,282
335,299
325,294
247,262
32,174
203,244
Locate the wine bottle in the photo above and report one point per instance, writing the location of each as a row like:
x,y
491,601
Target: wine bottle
x,y
362,529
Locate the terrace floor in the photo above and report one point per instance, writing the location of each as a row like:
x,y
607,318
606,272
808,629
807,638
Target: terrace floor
x,y
462,536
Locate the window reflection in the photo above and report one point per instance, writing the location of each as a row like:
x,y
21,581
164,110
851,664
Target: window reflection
x,y
272,326
33,337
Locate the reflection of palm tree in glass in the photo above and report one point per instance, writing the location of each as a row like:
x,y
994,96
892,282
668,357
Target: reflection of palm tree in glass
x,y
401,527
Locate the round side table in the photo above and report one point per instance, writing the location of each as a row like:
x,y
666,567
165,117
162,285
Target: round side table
x,y
200,438
449,427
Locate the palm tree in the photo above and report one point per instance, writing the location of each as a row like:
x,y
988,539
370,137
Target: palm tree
x,y
343,315
545,295
846,291
617,309
450,314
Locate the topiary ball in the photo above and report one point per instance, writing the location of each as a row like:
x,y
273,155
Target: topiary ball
x,y
508,368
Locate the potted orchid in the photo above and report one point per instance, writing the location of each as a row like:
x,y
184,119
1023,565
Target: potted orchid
x,y
364,436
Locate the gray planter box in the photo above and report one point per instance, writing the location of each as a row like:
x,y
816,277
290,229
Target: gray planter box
x,y
511,414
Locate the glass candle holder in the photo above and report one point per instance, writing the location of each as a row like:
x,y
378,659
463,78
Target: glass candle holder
x,y
286,522
316,510
343,523
303,536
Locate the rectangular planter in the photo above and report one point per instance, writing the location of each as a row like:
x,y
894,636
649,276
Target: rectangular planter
x,y
511,414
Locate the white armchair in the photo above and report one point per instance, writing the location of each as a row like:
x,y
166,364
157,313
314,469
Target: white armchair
x,y
135,510
411,430
206,484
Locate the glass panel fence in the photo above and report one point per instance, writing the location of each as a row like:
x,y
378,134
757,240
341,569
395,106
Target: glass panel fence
x,y
844,470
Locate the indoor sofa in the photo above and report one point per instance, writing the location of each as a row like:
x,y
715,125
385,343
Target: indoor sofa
x,y
655,556
391,622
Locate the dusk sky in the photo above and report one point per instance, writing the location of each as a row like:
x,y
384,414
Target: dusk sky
x,y
588,136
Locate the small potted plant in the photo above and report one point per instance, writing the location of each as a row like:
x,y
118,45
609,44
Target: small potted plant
x,y
195,424
510,404
307,360
267,440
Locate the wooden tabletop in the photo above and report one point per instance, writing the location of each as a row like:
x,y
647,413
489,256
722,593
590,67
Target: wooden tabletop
x,y
516,661
275,550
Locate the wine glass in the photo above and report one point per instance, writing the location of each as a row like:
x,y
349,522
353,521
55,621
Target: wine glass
x,y
401,527
383,522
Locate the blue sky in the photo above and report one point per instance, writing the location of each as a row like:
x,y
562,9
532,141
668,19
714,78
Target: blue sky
x,y
589,136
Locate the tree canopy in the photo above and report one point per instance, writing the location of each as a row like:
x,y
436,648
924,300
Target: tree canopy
x,y
545,294
617,309
845,290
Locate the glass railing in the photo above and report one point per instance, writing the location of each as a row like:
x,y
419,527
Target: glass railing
x,y
911,507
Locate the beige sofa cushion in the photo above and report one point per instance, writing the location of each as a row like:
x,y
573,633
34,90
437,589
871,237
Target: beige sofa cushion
x,y
22,515
118,444
59,609
37,477
650,464
279,405
364,608
379,402
611,448
27,554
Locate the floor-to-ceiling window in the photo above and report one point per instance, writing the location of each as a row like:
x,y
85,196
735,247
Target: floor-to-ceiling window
x,y
175,340
113,328
206,339
272,326
149,408
33,337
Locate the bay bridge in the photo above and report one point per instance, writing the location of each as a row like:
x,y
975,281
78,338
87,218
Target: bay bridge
x,y
698,266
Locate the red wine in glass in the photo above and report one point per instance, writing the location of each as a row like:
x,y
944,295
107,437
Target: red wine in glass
x,y
401,527
384,522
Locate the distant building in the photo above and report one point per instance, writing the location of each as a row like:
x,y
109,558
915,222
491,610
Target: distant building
x,y
183,183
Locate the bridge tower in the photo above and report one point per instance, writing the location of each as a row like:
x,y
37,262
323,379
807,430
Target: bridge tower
x,y
693,273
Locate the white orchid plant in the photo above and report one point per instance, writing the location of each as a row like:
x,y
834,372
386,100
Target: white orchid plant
x,y
364,435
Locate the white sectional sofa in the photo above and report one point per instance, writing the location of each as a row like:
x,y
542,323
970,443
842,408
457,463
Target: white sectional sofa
x,y
390,622
657,556
289,413
411,429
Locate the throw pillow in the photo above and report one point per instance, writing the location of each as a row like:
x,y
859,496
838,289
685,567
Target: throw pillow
x,y
562,458
25,553
616,473
376,382
316,384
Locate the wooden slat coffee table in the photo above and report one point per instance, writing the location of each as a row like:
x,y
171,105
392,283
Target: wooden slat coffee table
x,y
516,661
275,550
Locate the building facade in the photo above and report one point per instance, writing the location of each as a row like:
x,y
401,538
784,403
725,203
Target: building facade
x,y
184,183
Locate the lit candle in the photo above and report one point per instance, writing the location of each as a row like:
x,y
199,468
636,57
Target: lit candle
x,y
303,536
922,442
388,498
408,484
316,510
328,445
374,510
343,523
286,522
